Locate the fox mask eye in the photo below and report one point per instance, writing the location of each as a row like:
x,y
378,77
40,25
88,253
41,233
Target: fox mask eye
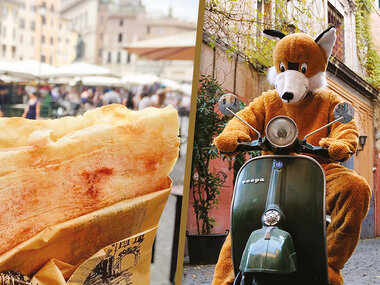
x,y
304,68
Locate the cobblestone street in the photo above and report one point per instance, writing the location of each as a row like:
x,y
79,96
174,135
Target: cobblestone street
x,y
363,268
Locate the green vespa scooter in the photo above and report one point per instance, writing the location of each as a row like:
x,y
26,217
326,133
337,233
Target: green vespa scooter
x,y
278,220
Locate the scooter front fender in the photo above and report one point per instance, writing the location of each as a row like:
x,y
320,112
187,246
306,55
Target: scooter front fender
x,y
269,250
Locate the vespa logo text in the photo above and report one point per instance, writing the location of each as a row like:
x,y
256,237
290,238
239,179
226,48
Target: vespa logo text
x,y
255,180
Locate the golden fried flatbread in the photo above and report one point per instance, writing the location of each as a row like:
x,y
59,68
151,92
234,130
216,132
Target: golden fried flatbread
x,y
55,170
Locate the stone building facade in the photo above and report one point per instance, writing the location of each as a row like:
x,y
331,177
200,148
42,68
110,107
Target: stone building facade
x,y
34,29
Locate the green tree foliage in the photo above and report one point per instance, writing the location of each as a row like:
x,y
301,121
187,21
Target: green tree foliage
x,y
239,23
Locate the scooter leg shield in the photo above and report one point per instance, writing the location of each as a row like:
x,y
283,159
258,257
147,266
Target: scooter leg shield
x,y
269,250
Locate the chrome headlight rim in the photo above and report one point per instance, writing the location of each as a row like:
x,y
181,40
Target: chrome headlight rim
x,y
271,217
293,126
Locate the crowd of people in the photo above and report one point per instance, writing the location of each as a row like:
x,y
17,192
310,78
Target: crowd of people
x,y
71,100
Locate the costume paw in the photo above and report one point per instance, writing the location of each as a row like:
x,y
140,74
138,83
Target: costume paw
x,y
228,142
338,150
335,277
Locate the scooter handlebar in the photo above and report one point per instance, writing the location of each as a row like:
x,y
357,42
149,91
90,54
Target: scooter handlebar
x,y
245,146
298,147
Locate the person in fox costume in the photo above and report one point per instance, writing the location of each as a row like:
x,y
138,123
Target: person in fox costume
x,y
299,78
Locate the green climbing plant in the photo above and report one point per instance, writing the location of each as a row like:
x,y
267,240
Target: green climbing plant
x,y
205,184
368,53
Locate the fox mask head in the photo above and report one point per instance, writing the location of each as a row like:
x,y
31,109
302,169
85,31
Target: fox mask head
x,y
299,63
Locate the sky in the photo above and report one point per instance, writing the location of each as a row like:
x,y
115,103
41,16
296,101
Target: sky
x,y
182,9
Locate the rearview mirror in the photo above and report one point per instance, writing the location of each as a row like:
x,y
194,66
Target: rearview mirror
x,y
228,104
344,112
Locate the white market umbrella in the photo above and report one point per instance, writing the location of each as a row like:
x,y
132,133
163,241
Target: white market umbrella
x,y
103,81
13,72
32,67
82,69
141,79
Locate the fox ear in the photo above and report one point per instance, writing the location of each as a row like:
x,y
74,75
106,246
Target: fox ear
x,y
327,40
273,34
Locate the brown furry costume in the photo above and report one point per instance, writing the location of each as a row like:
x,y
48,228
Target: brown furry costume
x,y
347,193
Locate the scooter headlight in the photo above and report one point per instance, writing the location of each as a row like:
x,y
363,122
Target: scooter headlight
x,y
271,218
281,131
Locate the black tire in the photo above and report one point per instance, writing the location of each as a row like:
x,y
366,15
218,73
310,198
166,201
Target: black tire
x,y
246,279
237,279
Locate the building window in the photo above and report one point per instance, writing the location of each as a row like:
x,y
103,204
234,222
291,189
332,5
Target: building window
x,y
128,58
119,57
100,52
121,23
32,25
43,58
22,5
109,57
52,7
13,51
22,23
43,20
51,60
43,39
59,39
336,19
148,29
120,38
101,20
4,50
14,13
52,41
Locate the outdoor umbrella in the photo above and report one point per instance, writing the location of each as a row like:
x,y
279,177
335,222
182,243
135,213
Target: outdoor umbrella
x,y
138,78
82,69
174,47
100,81
12,73
31,67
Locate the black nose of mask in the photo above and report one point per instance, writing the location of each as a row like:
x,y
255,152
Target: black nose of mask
x,y
288,96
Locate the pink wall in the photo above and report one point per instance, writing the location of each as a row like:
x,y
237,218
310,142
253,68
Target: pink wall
x,y
222,212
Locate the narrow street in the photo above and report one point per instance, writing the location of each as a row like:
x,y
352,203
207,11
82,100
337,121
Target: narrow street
x,y
363,268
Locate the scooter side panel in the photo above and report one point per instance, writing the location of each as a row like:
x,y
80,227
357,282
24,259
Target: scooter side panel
x,y
302,202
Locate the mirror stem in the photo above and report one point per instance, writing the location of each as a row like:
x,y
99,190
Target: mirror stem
x,y
252,128
325,126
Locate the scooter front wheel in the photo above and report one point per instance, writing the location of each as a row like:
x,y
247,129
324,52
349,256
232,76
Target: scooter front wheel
x,y
250,279
247,279
244,279
237,278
